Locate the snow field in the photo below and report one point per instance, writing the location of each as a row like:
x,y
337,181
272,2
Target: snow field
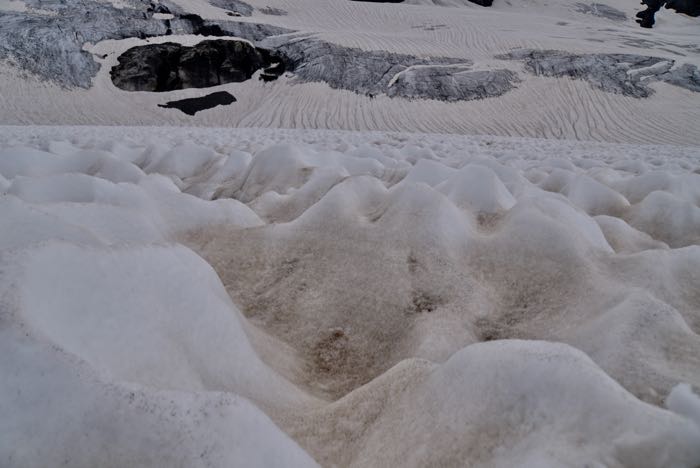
x,y
208,297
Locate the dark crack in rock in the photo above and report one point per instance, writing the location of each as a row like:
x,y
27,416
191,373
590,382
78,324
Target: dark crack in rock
x,y
601,10
191,106
625,74
378,72
646,18
51,46
171,66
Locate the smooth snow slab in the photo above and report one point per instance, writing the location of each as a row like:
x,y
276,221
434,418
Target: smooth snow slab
x,y
216,297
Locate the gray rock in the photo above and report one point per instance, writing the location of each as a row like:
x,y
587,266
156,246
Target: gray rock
x,y
170,66
601,10
686,76
50,46
236,6
272,11
371,72
626,74
452,83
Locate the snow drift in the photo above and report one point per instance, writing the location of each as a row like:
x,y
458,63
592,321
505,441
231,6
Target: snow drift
x,y
287,298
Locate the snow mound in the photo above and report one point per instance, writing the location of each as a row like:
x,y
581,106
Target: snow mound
x,y
153,315
478,189
519,403
57,409
195,297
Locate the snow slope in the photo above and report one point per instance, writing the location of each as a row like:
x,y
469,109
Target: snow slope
x,y
208,297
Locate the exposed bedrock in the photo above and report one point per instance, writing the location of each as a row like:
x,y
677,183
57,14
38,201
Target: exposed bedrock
x,y
378,72
191,106
686,76
646,18
51,45
272,11
625,74
171,66
235,6
194,24
451,83
602,11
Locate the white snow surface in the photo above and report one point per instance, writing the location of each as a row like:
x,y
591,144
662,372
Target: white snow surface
x,y
210,297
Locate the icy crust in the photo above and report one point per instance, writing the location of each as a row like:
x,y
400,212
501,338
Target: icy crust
x,y
284,298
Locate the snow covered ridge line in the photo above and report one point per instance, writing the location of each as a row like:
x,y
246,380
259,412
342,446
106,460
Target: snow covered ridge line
x,y
208,297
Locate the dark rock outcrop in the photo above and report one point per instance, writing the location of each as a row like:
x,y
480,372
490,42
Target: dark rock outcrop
x,y
397,75
193,105
646,18
194,24
51,46
170,66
